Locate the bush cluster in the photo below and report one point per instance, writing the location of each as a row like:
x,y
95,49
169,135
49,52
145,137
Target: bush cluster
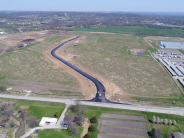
x,y
93,119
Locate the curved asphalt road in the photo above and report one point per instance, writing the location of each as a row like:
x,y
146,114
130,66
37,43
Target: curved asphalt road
x,y
97,83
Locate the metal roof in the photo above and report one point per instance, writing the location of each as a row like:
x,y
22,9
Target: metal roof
x,y
167,62
170,70
177,71
168,44
162,61
181,69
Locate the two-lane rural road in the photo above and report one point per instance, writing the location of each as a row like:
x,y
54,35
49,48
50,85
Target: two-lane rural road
x,y
176,111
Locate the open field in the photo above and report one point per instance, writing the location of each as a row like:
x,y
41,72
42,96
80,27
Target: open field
x,y
108,54
39,109
132,30
28,69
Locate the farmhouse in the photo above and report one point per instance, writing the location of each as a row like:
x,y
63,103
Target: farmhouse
x,y
48,121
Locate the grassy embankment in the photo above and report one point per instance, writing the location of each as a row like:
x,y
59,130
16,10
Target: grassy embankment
x,y
109,55
132,30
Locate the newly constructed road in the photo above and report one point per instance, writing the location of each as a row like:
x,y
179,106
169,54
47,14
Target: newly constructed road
x,y
97,83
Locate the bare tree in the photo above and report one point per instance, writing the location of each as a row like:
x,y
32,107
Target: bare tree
x,y
32,121
68,119
23,114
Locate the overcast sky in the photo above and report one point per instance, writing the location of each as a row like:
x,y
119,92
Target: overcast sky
x,y
94,5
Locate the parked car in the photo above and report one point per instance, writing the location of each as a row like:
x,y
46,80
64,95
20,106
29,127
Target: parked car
x,y
103,90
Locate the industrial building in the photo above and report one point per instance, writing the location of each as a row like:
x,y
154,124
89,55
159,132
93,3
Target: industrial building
x,y
179,74
181,81
173,45
181,69
167,62
170,70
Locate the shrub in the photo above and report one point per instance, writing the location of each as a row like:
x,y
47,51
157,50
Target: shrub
x,y
170,122
12,123
153,119
165,121
2,88
152,133
93,119
174,122
56,114
91,128
158,120
74,129
86,136
161,121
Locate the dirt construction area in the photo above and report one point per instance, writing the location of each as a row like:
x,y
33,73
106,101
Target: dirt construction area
x,y
87,87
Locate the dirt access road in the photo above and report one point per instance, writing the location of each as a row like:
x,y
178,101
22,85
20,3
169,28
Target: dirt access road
x,y
87,87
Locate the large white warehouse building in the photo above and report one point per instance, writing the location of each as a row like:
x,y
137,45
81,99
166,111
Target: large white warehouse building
x,y
173,45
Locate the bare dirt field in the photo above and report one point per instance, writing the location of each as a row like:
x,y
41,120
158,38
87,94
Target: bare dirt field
x,y
121,123
136,51
128,117
112,136
123,131
12,40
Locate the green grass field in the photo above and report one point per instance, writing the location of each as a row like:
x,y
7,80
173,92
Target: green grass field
x,y
51,133
38,108
132,30
108,54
